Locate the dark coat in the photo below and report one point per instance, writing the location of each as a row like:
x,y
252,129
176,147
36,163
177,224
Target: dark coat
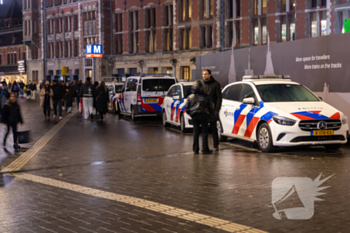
x,y
213,89
69,96
57,92
76,89
87,90
101,99
11,113
199,103
32,87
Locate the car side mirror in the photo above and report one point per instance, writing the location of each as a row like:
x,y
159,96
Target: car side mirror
x,y
320,98
176,97
249,100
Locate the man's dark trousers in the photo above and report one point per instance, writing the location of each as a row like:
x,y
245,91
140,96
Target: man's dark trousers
x,y
200,120
59,104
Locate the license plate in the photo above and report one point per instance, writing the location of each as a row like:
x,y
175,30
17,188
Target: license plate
x,y
322,132
151,100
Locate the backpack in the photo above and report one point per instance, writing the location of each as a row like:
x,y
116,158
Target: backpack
x,y
15,87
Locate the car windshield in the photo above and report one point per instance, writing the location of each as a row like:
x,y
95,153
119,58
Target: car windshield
x,y
285,93
187,91
157,84
118,88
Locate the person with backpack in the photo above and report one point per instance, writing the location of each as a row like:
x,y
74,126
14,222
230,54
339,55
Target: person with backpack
x,y
101,99
21,88
87,93
199,106
15,88
11,116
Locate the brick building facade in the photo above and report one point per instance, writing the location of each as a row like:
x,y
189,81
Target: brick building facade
x,y
163,36
11,45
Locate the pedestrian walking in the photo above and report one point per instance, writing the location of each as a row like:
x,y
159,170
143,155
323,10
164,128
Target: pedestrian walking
x,y
9,85
46,102
199,106
87,92
27,90
11,116
21,88
101,99
15,88
213,89
68,97
76,89
57,99
4,94
33,89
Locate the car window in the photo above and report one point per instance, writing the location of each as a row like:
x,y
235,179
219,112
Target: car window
x,y
177,91
128,84
247,91
171,91
187,91
118,88
110,88
133,85
157,84
285,93
233,92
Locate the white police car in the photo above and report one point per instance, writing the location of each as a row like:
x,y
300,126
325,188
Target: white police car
x,y
114,91
274,111
174,106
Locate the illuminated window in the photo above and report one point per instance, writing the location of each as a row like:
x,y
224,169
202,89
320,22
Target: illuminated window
x,y
212,7
323,19
264,31
284,5
284,28
292,5
186,72
256,32
264,6
256,7
313,24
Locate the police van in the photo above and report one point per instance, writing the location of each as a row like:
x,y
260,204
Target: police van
x,y
276,112
143,95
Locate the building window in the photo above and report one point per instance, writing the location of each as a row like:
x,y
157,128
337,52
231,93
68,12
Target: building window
x,y
150,24
76,48
76,22
15,58
119,22
168,15
256,32
256,7
90,23
185,10
133,32
207,36
0,60
186,38
186,72
169,39
318,24
291,5
24,56
313,3
208,8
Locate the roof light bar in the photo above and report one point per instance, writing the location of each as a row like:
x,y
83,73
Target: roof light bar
x,y
250,77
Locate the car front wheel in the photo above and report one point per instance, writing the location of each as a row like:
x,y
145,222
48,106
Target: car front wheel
x,y
265,138
182,124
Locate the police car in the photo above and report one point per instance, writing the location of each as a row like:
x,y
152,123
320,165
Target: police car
x,y
143,95
114,91
274,111
174,112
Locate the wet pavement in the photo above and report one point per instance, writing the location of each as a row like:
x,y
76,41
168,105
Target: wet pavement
x,y
146,161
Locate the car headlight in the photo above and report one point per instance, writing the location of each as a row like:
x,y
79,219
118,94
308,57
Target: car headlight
x,y
344,120
284,120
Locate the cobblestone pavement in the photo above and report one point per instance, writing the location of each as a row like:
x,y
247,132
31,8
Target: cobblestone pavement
x,y
146,161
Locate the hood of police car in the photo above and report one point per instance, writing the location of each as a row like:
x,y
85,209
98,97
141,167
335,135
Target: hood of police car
x,y
310,110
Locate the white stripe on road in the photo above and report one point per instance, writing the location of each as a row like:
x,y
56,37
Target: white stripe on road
x,y
30,153
149,205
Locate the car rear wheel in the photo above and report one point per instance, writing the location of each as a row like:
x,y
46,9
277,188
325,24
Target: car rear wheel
x,y
220,130
265,138
165,124
133,117
332,146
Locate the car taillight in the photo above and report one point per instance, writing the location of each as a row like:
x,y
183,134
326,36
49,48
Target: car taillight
x,y
138,98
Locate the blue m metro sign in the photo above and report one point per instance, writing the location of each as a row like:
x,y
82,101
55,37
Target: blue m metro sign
x,y
94,50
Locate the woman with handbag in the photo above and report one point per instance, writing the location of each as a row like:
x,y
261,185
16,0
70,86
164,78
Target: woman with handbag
x,y
101,99
11,116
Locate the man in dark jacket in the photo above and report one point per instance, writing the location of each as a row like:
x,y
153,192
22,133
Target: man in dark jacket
x,y
33,89
11,116
199,106
87,92
213,89
76,91
57,99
